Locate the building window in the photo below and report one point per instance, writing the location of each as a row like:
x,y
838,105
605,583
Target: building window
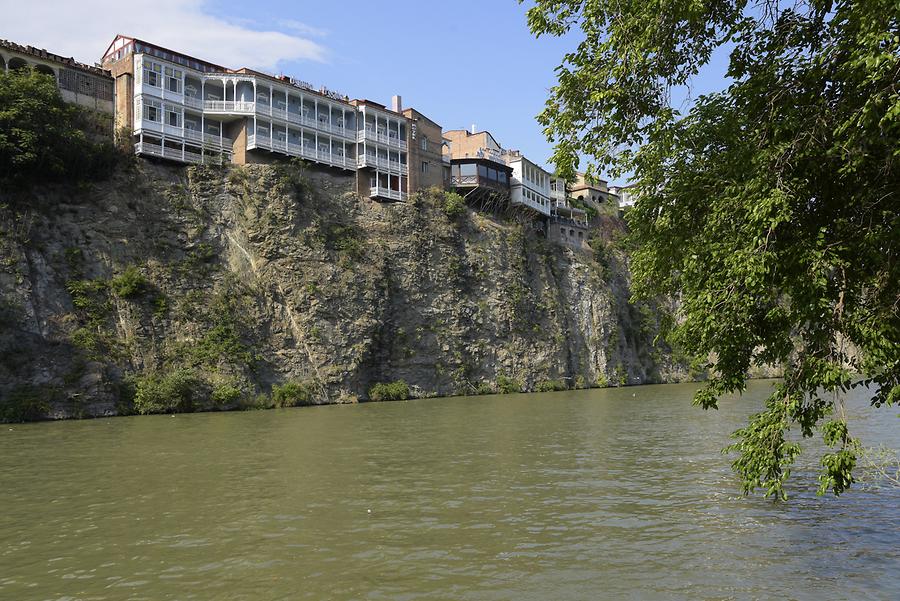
x,y
173,117
424,143
152,73
150,111
173,80
424,166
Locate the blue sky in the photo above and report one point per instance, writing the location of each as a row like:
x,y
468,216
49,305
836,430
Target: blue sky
x,y
459,62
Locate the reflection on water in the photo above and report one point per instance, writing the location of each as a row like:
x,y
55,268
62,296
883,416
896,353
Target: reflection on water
x,y
575,495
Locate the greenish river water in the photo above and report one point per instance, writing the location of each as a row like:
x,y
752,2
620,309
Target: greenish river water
x,y
601,494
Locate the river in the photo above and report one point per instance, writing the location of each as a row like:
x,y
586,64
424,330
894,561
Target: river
x,y
598,494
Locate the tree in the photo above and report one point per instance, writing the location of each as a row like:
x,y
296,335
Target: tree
x,y
41,137
770,209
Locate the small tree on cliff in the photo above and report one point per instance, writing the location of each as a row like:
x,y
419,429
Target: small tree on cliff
x,y
771,208
40,137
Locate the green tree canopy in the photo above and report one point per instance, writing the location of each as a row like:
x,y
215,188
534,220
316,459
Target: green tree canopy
x,y
770,209
41,136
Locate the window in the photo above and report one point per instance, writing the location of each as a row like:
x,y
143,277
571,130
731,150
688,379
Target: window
x,y
151,111
424,166
482,171
467,169
492,174
152,73
173,80
424,143
173,117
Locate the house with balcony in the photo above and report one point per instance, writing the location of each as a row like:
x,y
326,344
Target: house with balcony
x,y
530,184
89,87
568,222
382,151
189,110
478,170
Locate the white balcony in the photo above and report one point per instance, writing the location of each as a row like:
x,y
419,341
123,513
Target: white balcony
x,y
193,102
297,150
368,160
306,121
371,135
208,139
382,192
175,154
229,107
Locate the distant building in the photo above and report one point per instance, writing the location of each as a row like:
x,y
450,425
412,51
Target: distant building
x,y
382,151
530,185
425,143
88,87
189,110
625,195
177,107
477,167
594,192
568,223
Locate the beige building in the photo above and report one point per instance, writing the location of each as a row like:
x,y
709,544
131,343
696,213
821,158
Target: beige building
x,y
594,192
88,87
426,146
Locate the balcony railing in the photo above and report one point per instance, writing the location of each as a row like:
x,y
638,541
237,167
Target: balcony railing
x,y
175,154
229,106
171,131
567,221
471,181
193,102
208,139
373,136
305,120
382,192
300,150
544,209
367,160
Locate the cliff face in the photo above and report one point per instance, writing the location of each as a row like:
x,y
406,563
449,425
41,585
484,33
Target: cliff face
x,y
249,277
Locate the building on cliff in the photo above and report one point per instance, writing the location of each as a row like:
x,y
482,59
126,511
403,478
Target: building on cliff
x,y
89,87
568,222
180,108
594,192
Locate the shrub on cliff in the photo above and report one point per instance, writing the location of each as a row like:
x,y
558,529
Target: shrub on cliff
x,y
178,391
24,404
129,284
507,385
550,386
389,391
40,135
453,205
293,394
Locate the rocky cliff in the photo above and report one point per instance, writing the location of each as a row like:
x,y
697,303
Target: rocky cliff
x,y
216,284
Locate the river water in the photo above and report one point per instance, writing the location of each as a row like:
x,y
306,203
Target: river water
x,y
600,494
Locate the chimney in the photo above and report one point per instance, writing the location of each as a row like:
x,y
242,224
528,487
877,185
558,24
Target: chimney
x,y
473,128
396,103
